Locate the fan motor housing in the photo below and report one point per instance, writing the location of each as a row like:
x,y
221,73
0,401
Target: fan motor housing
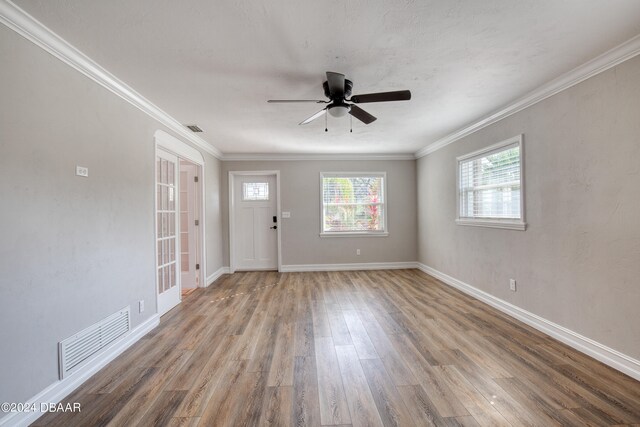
x,y
348,85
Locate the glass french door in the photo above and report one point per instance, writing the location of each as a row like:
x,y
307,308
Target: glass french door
x,y
168,284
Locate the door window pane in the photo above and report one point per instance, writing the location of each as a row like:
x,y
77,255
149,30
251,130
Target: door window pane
x,y
255,191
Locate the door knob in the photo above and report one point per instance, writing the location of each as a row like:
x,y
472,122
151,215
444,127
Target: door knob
x,y
274,227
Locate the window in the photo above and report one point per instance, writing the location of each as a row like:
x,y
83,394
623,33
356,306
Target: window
x,y
353,203
490,187
255,191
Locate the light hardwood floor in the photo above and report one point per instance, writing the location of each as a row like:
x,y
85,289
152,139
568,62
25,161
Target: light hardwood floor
x,y
362,348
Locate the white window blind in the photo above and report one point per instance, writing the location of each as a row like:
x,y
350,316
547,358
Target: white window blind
x,y
353,203
490,184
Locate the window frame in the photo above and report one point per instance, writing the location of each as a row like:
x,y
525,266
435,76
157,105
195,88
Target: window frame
x,y
366,233
504,223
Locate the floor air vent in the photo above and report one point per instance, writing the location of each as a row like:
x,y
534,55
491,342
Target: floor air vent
x,y
85,344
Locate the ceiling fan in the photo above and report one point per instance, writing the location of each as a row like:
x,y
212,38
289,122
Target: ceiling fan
x,y
338,90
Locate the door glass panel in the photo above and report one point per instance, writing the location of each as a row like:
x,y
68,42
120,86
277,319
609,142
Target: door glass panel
x,y
163,171
172,275
170,174
166,227
172,225
165,204
172,199
255,191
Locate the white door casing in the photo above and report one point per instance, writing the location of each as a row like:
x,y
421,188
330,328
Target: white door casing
x,y
254,235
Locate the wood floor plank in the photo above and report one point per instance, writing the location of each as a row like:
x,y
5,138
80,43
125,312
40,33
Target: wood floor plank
x,y
141,402
220,407
109,405
276,409
305,409
183,422
478,406
446,402
201,391
303,335
334,408
361,341
162,411
393,362
534,402
281,372
321,326
339,331
249,407
190,371
513,411
362,406
393,347
422,410
390,406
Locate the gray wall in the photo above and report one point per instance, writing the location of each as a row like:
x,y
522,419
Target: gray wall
x,y
73,250
300,194
578,262
214,237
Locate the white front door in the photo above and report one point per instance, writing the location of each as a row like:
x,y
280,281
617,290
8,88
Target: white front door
x,y
255,226
166,231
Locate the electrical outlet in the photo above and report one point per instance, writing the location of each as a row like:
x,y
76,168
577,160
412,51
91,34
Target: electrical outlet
x,y
357,251
512,284
82,171
141,306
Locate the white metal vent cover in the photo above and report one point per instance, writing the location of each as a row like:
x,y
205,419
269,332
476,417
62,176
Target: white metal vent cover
x,y
77,349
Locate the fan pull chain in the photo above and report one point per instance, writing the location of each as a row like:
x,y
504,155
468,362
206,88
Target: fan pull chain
x,y
326,129
351,123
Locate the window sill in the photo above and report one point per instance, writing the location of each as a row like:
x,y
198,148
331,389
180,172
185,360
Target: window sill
x,y
355,234
494,223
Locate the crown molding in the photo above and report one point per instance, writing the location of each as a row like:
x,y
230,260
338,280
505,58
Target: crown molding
x,y
607,60
314,156
27,26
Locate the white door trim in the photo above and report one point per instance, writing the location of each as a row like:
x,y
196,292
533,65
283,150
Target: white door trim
x,y
167,142
232,175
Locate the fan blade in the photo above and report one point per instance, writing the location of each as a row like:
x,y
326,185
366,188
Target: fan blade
x,y
398,95
312,118
296,100
336,84
361,115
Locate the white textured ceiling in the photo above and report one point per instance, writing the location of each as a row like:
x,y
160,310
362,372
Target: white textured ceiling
x,y
215,63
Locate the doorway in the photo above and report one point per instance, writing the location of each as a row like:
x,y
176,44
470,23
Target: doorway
x,y
189,179
254,209
180,228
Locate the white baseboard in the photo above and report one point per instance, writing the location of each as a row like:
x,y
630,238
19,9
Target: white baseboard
x,y
348,267
61,389
604,354
216,274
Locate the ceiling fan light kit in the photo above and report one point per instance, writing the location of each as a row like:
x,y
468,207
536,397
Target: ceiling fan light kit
x,y
338,89
339,110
